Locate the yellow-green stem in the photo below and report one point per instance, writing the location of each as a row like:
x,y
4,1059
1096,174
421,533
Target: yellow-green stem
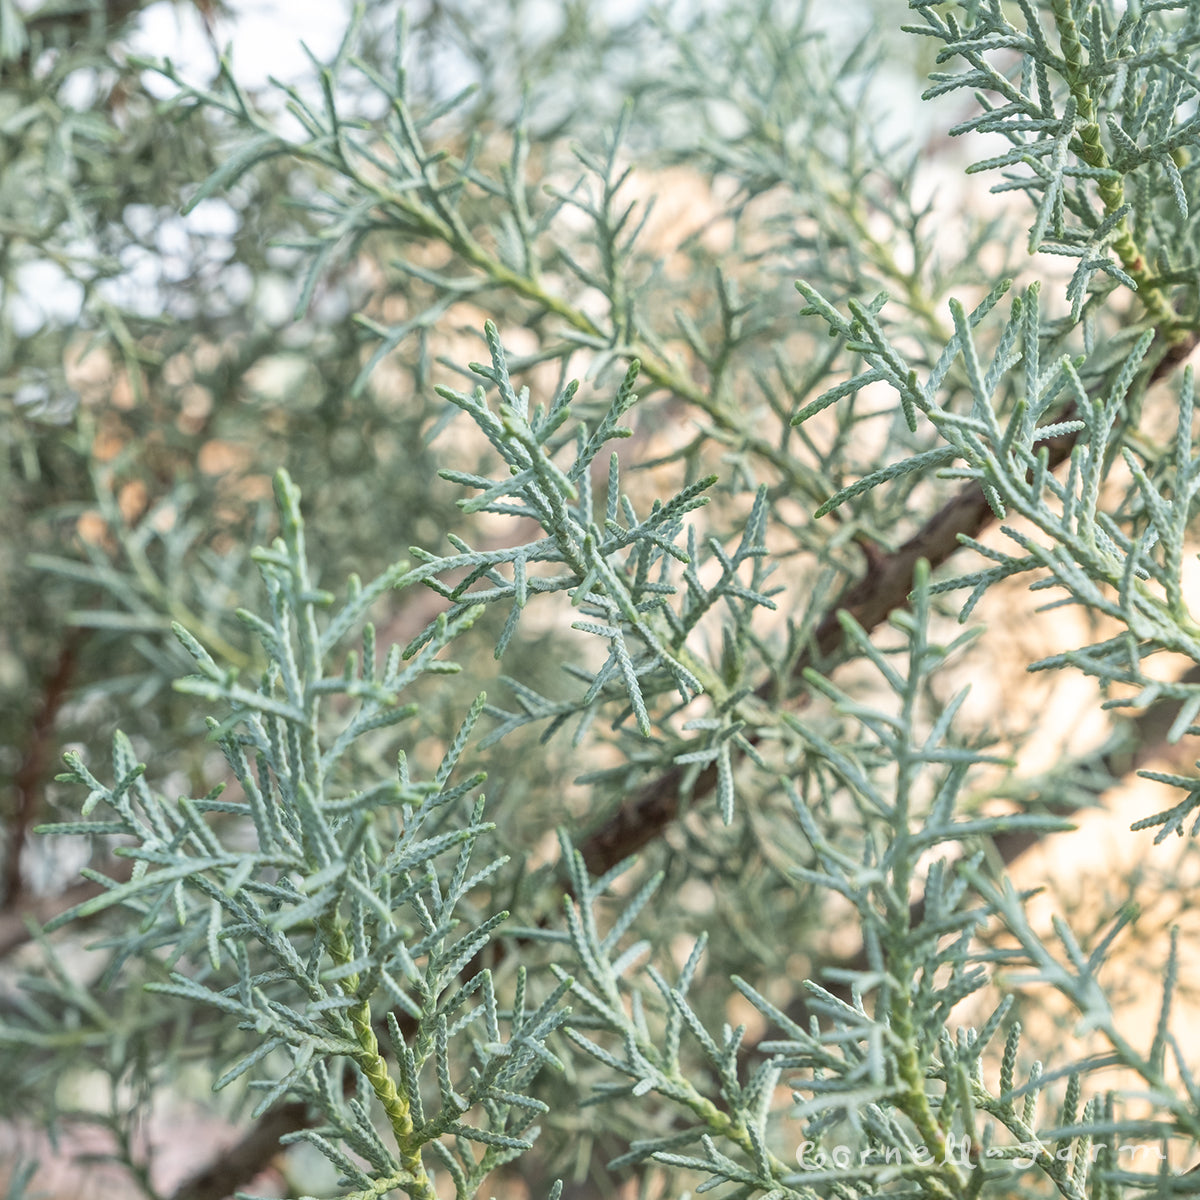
x,y
1112,191
914,1100
374,1066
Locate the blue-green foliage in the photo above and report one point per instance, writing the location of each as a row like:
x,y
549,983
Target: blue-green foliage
x,y
349,894
1103,68
1128,567
346,930
345,897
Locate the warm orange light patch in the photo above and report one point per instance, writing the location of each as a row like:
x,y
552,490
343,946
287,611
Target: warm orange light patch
x,y
219,457
93,529
133,498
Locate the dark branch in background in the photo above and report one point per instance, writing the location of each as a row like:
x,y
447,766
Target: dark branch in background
x,y
883,588
29,781
14,924
246,1158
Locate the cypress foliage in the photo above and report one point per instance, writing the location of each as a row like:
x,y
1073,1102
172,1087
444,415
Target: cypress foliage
x,y
495,632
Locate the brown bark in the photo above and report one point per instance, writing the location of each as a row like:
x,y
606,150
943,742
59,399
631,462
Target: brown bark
x,y
29,781
236,1165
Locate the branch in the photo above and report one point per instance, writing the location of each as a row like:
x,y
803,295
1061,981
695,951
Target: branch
x,y
30,777
237,1165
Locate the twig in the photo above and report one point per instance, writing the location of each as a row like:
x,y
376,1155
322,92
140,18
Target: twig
x,y
884,587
